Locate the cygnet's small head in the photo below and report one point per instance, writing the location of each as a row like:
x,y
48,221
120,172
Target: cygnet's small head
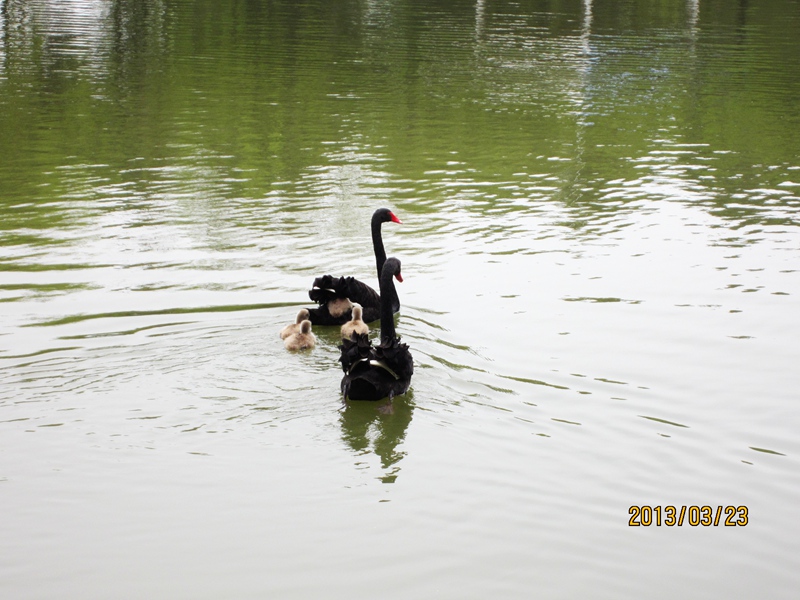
x,y
357,312
302,315
305,327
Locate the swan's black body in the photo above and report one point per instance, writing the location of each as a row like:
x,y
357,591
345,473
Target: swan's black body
x,y
329,289
375,372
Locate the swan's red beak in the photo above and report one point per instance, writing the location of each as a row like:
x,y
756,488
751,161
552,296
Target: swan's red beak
x,y
395,219
399,277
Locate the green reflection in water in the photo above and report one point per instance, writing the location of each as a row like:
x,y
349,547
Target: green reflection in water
x,y
380,427
139,313
665,421
155,101
765,451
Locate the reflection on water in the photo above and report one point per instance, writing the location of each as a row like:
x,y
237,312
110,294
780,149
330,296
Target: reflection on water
x,y
600,206
379,428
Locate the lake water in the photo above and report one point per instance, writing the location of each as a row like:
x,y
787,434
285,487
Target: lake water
x,y
601,254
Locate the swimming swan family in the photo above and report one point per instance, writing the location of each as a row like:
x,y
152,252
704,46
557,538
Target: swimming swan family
x,y
371,372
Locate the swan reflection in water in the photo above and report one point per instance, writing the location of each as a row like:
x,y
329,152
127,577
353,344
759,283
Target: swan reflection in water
x,y
380,427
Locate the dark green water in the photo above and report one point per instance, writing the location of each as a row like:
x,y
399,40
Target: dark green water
x,y
600,250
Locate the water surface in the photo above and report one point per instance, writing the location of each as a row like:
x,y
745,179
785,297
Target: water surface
x,y
600,249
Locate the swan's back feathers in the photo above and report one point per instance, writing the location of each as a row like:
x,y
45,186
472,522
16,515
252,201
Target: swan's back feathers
x,y
354,351
395,354
375,372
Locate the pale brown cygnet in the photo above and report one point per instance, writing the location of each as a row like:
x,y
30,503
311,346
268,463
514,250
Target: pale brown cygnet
x,y
294,327
301,340
355,325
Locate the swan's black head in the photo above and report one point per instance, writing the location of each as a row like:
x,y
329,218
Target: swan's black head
x,y
392,267
384,215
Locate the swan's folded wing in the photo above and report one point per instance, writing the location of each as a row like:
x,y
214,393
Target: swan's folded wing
x,y
359,292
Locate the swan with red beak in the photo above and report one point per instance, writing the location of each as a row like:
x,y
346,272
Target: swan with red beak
x,y
376,372
336,295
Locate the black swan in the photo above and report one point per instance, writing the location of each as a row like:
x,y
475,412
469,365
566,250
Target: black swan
x,y
301,340
335,295
375,372
354,325
294,327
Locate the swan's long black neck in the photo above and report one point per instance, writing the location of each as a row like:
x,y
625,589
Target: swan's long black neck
x,y
388,300
377,243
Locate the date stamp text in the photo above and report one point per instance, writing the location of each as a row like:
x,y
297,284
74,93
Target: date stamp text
x,y
705,516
